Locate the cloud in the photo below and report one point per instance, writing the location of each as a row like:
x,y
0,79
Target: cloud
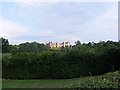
x,y
64,22
33,4
65,0
103,26
10,29
100,27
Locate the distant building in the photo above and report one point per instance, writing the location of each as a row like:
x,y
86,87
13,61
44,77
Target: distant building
x,y
55,45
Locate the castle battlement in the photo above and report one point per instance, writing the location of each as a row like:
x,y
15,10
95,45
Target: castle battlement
x,y
55,45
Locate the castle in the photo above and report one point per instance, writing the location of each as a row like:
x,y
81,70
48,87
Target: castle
x,y
56,45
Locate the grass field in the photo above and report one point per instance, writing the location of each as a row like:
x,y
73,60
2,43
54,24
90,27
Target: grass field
x,y
103,81
38,83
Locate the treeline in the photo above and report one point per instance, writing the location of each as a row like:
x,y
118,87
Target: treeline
x,y
23,47
81,60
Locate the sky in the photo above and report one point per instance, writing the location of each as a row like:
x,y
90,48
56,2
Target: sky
x,y
59,21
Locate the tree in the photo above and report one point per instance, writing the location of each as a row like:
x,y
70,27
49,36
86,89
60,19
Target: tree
x,y
32,47
78,42
5,44
13,49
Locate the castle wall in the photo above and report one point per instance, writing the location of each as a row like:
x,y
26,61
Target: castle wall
x,y
64,44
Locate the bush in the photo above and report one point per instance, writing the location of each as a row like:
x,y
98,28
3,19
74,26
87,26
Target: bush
x,y
82,60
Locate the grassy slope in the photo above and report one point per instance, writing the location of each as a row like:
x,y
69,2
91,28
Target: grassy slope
x,y
109,80
104,81
38,83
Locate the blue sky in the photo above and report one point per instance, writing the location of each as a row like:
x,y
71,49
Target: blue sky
x,y
59,21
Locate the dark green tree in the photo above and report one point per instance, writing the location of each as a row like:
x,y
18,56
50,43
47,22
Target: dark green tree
x,y
78,42
32,47
5,44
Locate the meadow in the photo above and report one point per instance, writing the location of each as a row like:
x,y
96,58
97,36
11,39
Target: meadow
x,y
108,80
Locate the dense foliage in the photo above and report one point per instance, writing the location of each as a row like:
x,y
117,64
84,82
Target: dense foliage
x,y
81,60
107,81
4,44
23,47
